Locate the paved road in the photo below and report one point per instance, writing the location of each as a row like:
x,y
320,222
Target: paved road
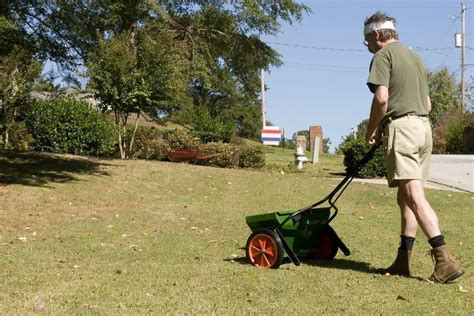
x,y
453,170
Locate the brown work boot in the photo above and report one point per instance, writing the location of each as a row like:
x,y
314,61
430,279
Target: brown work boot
x,y
401,265
446,268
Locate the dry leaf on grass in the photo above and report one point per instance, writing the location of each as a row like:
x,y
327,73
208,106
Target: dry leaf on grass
x,y
401,298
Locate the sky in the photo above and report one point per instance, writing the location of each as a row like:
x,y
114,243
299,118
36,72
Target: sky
x,y
323,79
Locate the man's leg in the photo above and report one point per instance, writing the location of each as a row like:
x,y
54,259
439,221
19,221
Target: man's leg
x,y
414,196
409,225
446,268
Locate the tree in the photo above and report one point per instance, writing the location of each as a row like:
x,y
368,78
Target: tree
x,y
18,70
220,39
443,94
136,73
470,96
326,144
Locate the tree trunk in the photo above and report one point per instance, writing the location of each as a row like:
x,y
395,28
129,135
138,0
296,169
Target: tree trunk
x,y
6,142
133,135
117,121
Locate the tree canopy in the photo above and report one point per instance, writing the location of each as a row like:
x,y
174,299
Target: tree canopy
x,y
215,45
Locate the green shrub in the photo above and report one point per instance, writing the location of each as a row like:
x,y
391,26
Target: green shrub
x,y
226,155
149,144
252,157
70,126
354,150
455,134
469,134
20,138
209,129
180,139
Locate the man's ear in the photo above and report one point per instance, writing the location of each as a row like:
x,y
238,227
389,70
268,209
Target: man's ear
x,y
378,37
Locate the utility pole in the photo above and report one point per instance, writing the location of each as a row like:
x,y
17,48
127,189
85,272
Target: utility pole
x,y
264,119
463,47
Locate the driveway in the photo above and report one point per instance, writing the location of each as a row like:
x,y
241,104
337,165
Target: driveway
x,y
456,171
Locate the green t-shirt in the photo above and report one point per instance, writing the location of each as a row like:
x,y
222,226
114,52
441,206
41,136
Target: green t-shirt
x,y
404,74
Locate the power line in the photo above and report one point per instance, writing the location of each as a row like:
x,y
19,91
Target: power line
x,y
434,50
332,68
318,48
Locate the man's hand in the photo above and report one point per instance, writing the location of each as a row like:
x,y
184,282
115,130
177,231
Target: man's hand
x,y
373,139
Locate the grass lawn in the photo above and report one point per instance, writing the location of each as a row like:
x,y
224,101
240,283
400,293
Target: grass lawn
x,y
88,236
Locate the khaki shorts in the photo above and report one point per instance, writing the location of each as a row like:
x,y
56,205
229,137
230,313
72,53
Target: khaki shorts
x,y
408,143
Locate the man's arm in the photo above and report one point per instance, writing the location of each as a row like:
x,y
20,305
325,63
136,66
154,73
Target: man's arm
x,y
429,104
377,111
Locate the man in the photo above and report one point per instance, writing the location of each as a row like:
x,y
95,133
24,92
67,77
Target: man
x,y
399,119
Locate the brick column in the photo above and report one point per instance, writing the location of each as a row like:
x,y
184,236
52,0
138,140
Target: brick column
x,y
313,132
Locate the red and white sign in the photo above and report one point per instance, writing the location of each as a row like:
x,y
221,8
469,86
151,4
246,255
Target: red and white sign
x,y
271,135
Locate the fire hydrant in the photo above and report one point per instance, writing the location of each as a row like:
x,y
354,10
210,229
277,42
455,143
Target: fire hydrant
x,y
300,158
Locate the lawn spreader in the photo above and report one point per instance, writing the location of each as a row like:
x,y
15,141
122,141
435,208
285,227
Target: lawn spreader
x,y
305,233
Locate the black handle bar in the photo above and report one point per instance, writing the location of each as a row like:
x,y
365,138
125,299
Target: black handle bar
x,y
350,174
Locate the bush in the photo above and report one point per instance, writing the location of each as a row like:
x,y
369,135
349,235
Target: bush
x,y
20,138
180,139
209,129
452,134
149,144
226,155
252,157
70,126
354,150
469,134
455,134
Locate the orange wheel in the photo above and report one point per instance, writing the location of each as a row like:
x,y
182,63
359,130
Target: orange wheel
x,y
264,249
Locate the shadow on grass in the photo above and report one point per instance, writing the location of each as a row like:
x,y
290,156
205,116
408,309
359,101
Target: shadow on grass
x,y
342,264
341,174
39,169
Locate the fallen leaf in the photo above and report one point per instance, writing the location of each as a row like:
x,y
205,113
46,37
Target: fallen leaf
x,y
401,298
194,228
462,289
23,239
